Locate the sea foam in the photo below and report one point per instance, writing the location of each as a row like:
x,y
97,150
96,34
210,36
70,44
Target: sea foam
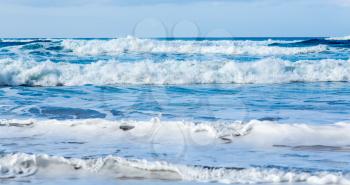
x,y
252,133
136,45
21,164
333,137
339,38
270,70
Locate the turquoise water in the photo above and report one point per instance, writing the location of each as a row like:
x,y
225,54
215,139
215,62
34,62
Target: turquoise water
x,y
187,111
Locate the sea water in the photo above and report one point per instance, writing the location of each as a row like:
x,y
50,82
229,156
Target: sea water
x,y
163,111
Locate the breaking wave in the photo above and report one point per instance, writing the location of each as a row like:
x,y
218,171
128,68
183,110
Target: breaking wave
x,y
132,44
20,42
332,137
339,43
339,38
255,133
270,70
21,164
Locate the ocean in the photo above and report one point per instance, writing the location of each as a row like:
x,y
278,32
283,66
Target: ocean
x,y
175,110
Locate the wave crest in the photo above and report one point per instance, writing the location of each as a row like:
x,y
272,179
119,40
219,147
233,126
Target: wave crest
x,y
254,132
20,164
132,44
339,38
30,73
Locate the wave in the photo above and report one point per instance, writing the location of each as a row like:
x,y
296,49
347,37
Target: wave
x,y
132,44
315,42
339,38
20,42
300,136
21,165
270,70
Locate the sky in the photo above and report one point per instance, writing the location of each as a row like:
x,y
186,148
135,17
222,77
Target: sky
x,y
173,18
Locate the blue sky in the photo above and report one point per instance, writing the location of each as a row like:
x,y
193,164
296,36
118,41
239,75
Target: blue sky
x,y
179,18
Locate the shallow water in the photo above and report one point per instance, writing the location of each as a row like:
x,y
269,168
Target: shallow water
x,y
188,111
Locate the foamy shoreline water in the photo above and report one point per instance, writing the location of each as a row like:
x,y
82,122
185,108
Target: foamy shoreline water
x,y
22,165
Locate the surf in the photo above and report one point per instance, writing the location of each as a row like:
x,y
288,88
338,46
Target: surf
x,y
170,72
253,132
137,45
23,165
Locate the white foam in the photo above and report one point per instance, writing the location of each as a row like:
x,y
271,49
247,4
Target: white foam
x,y
339,38
17,40
270,70
132,44
253,133
15,165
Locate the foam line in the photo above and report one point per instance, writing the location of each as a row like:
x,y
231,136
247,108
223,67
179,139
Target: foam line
x,y
20,164
136,45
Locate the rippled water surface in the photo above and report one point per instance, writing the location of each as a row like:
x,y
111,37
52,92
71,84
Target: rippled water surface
x,y
187,111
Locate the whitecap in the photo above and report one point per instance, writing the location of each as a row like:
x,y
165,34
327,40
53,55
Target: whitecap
x,y
339,38
21,164
136,45
269,70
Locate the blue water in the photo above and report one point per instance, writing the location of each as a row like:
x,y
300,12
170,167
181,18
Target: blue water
x,y
185,102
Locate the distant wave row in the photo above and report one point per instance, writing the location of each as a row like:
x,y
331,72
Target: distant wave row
x,y
339,38
235,47
267,47
270,70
